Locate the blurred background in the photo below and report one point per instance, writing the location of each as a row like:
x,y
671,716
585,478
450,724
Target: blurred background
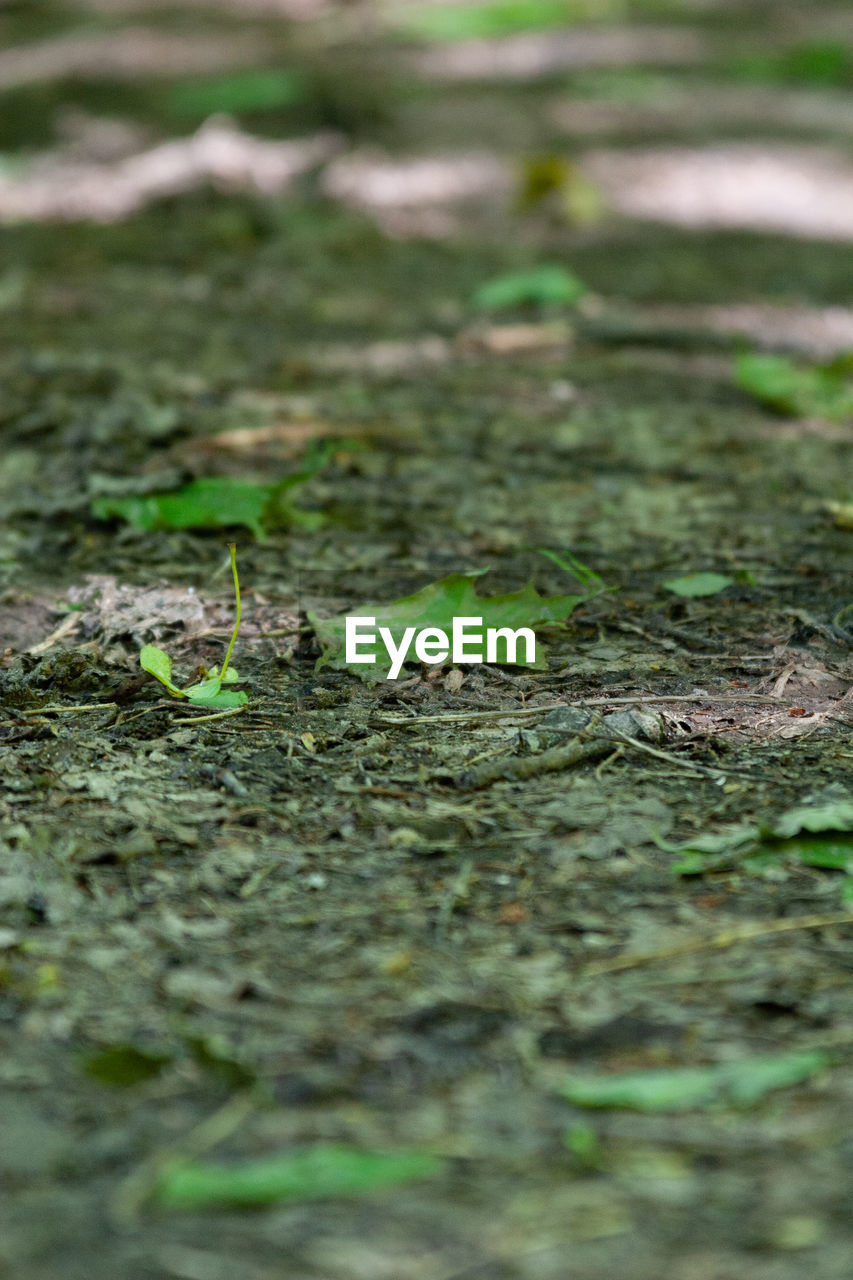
x,y
693,112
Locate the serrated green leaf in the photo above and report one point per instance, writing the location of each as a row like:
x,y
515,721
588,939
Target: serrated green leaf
x,y
733,1083
436,606
545,285
320,1172
698,584
159,665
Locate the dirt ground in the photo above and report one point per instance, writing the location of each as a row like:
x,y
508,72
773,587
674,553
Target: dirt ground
x,y
369,915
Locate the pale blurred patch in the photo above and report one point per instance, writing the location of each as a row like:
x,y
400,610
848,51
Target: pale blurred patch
x,y
125,55
416,197
58,189
676,107
797,191
538,54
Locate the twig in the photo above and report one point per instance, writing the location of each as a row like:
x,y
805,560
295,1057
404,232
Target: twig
x,y
74,711
459,717
715,941
217,715
715,771
520,768
134,1192
455,893
67,625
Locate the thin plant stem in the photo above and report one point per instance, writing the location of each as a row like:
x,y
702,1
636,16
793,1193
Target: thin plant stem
x,y
233,550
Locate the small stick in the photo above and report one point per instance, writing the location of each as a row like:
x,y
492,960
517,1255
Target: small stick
x,y
723,938
216,715
520,768
66,625
73,711
456,717
139,1187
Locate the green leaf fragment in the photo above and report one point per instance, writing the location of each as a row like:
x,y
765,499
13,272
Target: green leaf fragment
x,y
226,700
259,90
797,836
123,1065
797,390
832,855
230,676
204,690
545,285
212,503
314,1173
837,815
466,21
731,1083
210,694
698,584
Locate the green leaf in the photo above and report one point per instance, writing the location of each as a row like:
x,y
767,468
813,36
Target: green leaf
x,y
259,90
832,855
460,21
836,815
732,1083
123,1065
209,693
828,64
217,502
797,390
545,285
159,665
212,503
319,1172
755,848
204,690
230,677
435,607
698,584
227,699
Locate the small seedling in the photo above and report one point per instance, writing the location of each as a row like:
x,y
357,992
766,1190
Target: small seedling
x,y
208,692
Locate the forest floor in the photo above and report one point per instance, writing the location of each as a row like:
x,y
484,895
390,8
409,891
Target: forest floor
x,y
369,915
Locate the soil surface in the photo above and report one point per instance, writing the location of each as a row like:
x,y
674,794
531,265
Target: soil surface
x,y
389,916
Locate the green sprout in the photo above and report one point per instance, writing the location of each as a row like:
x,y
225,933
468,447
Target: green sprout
x,y
208,692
